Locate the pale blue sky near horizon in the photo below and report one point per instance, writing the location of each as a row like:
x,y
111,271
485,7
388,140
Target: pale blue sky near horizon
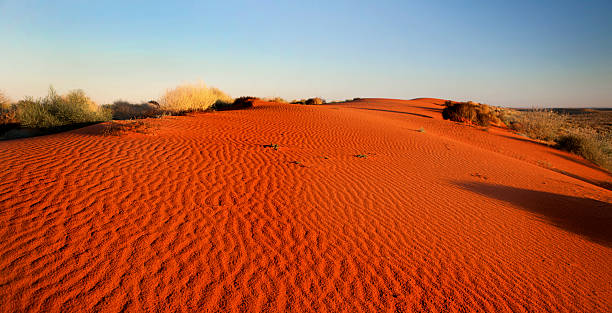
x,y
511,53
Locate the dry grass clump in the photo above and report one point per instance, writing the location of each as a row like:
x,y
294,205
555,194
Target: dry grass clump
x,y
539,124
123,110
470,113
8,114
311,101
192,97
55,110
276,99
5,103
315,101
593,146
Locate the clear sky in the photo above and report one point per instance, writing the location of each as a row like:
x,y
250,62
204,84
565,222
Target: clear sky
x,y
518,53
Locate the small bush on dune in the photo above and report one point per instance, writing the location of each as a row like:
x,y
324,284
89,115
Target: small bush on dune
x,y
55,110
539,124
192,97
593,146
470,113
238,103
5,103
311,101
123,110
276,99
314,101
8,115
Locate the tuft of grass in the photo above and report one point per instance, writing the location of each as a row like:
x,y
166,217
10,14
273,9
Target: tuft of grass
x,y
55,110
362,156
192,97
272,145
421,130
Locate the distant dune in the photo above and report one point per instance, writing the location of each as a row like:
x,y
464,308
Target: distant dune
x,y
376,205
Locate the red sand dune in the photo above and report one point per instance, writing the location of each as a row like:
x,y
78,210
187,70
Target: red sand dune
x,y
198,216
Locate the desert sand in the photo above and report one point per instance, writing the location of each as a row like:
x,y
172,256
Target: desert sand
x,y
197,215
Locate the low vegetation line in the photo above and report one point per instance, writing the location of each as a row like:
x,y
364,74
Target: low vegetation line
x,y
559,130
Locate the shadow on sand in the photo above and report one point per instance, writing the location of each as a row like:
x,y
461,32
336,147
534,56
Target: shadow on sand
x,y
582,216
24,132
392,111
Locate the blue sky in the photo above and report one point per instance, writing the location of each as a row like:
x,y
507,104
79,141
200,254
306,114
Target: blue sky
x,y
517,53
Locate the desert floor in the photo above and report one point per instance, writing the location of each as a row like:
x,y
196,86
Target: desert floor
x,y
197,215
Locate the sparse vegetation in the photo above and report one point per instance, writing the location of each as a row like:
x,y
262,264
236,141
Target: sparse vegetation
x,y
276,99
421,130
582,136
55,110
361,156
311,101
589,144
193,97
539,124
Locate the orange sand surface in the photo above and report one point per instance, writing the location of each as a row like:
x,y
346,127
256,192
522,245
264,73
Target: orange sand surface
x,y
197,215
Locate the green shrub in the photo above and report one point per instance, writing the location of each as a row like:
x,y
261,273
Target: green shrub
x,y
194,97
54,110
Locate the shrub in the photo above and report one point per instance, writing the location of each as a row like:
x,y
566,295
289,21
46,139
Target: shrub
x,y
123,110
276,99
314,101
195,97
5,103
593,146
539,124
54,110
470,113
8,116
238,103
